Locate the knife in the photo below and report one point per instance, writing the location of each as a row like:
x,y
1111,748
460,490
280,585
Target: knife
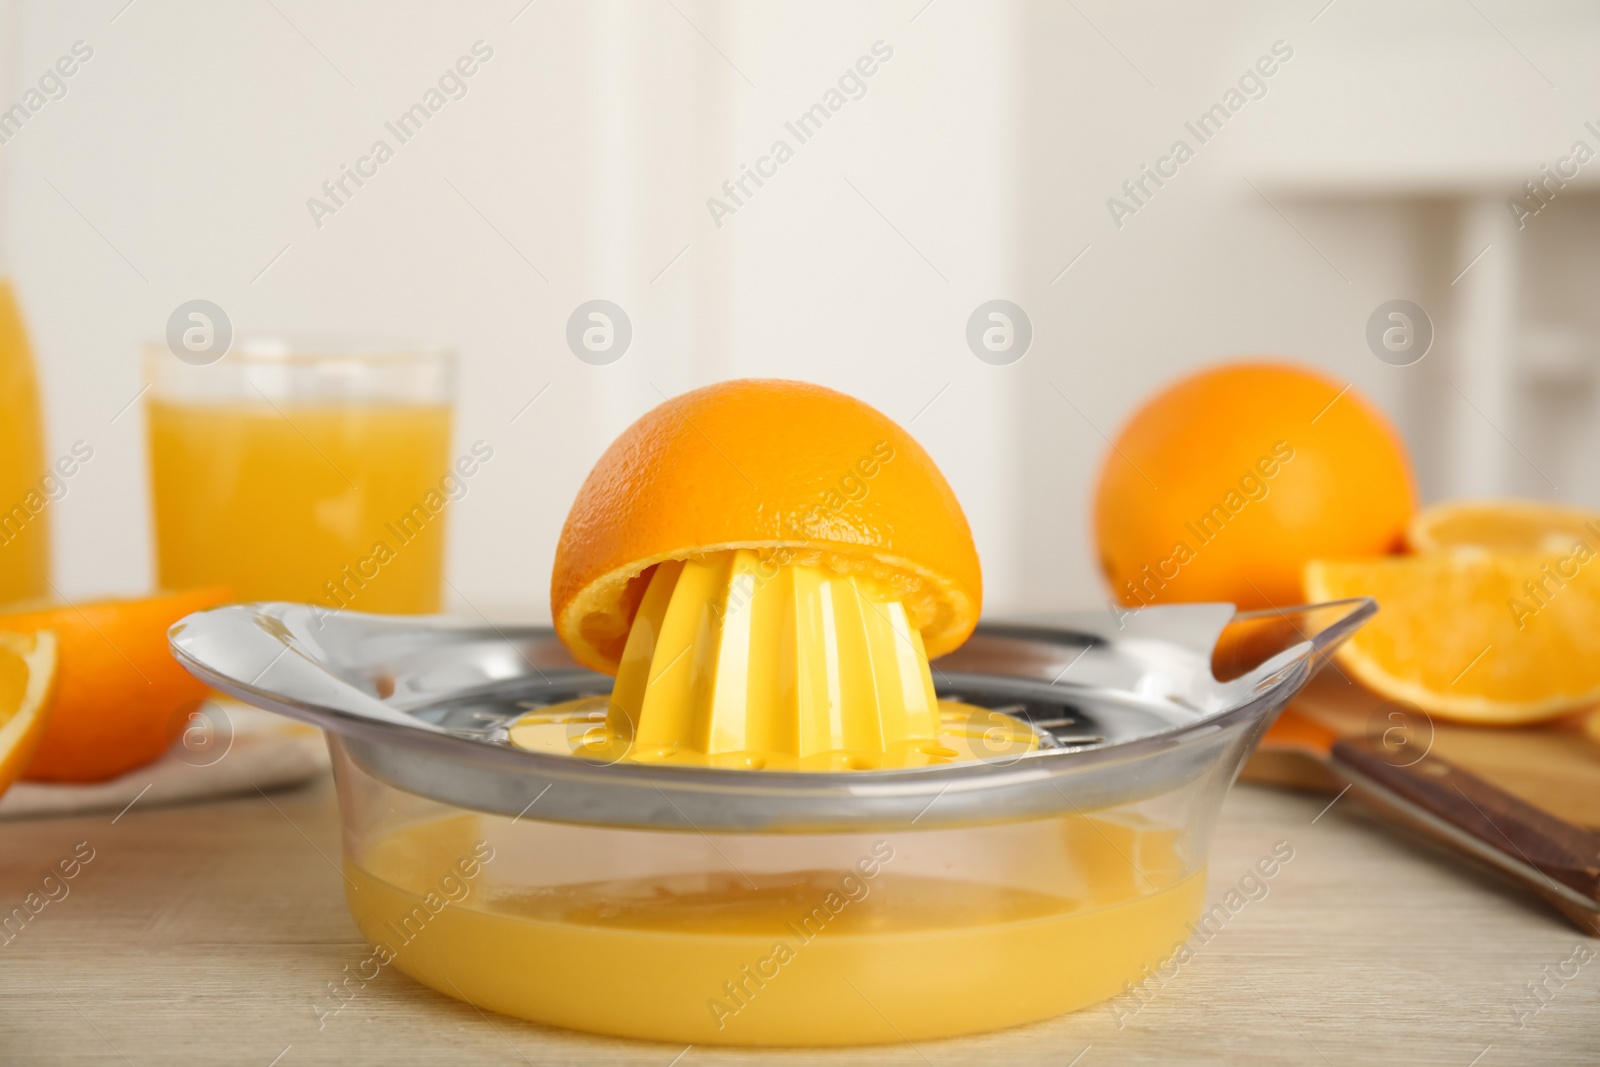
x,y
1551,857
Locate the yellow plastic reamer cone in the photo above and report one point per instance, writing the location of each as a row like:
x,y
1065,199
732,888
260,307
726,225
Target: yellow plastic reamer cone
x,y
766,566
740,659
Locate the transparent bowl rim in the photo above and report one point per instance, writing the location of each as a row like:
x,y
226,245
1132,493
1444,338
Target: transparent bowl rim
x,y
418,758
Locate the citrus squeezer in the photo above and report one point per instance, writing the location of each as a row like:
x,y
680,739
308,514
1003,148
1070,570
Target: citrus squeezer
x,y
1047,850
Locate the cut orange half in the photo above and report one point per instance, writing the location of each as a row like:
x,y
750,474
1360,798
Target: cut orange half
x,y
799,473
1503,526
1498,639
27,686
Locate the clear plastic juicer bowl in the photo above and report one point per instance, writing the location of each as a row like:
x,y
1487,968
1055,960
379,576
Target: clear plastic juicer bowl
x,y
713,906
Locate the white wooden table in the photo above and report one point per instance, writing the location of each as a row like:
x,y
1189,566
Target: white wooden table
x,y
204,934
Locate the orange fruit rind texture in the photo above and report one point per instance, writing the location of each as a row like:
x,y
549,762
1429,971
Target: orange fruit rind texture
x,y
1223,485
27,691
121,699
797,472
1491,638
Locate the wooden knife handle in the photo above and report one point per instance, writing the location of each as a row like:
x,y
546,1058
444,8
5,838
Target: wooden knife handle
x,y
1554,858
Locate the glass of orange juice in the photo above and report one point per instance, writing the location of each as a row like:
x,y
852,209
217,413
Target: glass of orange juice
x,y
26,484
309,471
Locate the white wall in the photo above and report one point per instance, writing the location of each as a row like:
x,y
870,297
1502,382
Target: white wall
x,y
976,166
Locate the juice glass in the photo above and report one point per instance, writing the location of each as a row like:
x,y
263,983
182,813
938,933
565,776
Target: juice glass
x,y
26,487
316,472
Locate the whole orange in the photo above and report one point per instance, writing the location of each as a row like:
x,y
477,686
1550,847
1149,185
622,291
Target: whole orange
x,y
121,699
1223,486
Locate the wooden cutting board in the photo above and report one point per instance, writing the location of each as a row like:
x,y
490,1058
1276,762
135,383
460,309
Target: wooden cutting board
x,y
1554,766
